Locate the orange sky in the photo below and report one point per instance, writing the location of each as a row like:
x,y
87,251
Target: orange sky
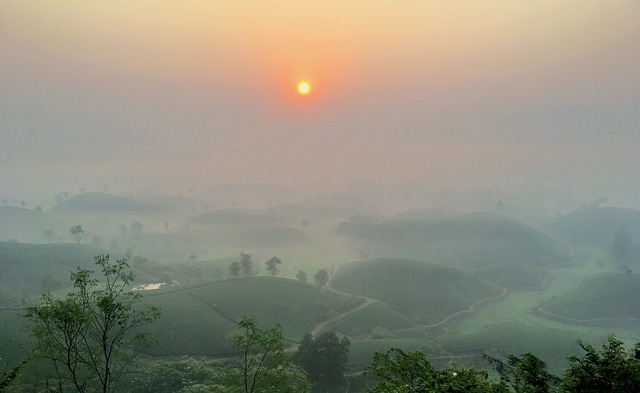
x,y
406,84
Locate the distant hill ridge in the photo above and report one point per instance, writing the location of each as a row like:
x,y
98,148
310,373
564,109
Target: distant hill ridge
x,y
100,202
473,239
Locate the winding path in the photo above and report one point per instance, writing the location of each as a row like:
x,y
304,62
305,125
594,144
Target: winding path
x,y
367,301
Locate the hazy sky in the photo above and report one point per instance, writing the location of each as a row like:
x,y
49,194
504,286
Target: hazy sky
x,y
197,93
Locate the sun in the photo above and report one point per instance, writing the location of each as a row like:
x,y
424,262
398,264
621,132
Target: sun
x,y
304,88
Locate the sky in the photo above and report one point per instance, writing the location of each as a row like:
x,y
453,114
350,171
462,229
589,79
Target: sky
x,y
194,93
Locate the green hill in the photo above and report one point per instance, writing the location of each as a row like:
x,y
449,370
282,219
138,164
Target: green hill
x,y
28,226
597,227
197,320
474,239
99,202
609,300
236,217
514,276
425,293
32,269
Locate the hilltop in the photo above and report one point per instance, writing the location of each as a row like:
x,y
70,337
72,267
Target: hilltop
x,y
423,292
470,240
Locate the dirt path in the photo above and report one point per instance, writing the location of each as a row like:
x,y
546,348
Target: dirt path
x,y
367,301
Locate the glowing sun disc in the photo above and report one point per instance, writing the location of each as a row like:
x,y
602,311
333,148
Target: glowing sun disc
x,y
304,88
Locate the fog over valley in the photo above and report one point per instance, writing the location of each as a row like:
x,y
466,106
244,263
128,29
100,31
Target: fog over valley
x,y
319,196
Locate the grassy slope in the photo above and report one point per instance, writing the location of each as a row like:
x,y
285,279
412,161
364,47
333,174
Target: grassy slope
x,y
196,320
514,276
477,239
426,293
607,297
24,266
26,225
596,227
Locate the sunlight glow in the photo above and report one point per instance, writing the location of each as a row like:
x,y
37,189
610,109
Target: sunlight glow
x,y
304,88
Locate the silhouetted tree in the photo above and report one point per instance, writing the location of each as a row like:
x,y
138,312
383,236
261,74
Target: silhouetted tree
x,y
246,263
272,265
324,359
49,234
321,277
137,228
77,232
301,276
234,269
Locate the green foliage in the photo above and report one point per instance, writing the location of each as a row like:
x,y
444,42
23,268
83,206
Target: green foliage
x,y
272,265
264,367
91,335
169,377
301,276
324,359
611,369
246,263
397,371
77,232
235,268
10,375
321,277
530,375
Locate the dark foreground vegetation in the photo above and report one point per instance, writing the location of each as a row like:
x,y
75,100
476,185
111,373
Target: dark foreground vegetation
x,y
90,340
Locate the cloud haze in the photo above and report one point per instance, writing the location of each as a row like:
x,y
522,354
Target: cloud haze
x,y
178,94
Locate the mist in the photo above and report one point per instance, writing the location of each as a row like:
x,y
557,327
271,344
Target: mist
x,y
480,156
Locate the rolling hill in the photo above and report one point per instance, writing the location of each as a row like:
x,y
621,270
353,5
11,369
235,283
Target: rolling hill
x,y
611,300
425,293
100,203
32,269
470,240
596,227
28,226
197,320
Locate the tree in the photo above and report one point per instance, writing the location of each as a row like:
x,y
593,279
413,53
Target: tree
x,y
530,375
321,277
92,334
272,265
10,375
246,263
264,366
611,369
49,234
234,269
137,228
77,232
324,359
301,276
397,371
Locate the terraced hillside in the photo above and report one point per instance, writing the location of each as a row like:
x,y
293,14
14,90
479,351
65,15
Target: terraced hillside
x,y
470,240
602,228
31,269
29,226
197,320
608,300
425,293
